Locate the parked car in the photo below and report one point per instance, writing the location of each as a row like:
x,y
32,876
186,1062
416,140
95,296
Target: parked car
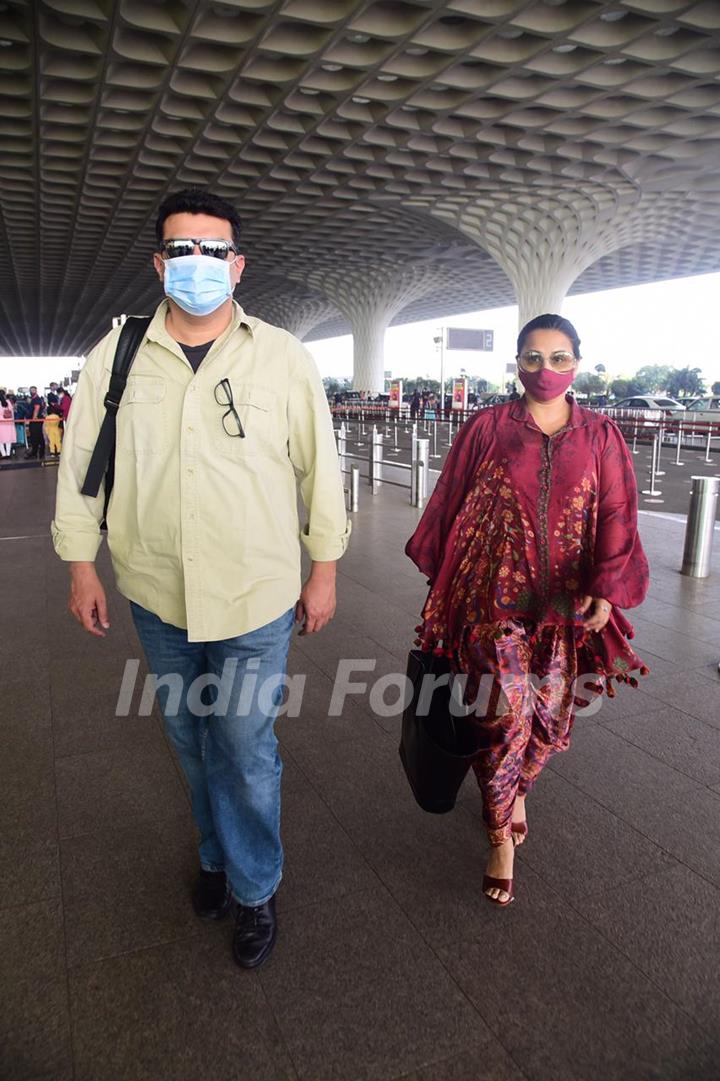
x,y
704,408
664,406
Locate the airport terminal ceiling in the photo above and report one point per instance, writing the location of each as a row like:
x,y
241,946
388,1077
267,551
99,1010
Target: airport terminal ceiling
x,y
452,156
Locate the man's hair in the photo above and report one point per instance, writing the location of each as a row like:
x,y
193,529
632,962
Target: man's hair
x,y
32,388
550,322
197,201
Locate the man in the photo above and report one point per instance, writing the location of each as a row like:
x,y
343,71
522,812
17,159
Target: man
x,y
34,426
221,413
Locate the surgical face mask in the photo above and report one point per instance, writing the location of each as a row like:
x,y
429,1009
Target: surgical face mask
x,y
546,384
197,283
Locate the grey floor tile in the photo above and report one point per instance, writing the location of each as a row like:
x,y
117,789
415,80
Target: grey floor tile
x,y
488,1062
137,788
674,812
175,1013
34,1018
689,692
129,889
668,925
321,861
29,871
28,805
570,1004
672,645
358,994
92,725
688,745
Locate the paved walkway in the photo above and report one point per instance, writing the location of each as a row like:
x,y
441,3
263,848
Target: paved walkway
x,y
389,963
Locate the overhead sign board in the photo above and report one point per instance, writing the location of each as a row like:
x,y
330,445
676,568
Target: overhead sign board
x,y
469,338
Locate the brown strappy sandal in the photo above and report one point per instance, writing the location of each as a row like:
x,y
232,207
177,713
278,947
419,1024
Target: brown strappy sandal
x,y
504,884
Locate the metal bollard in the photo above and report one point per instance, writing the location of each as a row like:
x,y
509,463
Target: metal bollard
x,y
700,527
435,453
634,446
354,487
708,459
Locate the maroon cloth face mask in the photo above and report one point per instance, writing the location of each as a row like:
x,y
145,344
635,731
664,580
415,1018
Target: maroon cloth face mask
x,y
546,384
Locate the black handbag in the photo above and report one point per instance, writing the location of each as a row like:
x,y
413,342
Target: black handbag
x,y
436,748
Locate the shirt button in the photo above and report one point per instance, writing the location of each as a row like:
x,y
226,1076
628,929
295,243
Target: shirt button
x,y
191,471
190,428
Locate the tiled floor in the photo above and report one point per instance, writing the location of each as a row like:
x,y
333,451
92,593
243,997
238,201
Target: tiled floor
x,y
389,964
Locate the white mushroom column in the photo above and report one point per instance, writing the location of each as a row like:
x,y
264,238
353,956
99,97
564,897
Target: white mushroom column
x,y
371,299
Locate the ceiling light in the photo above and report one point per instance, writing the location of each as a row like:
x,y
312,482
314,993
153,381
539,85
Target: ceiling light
x,y
409,108
360,39
510,32
387,78
331,67
5,43
308,90
666,31
416,50
613,60
613,16
566,48
360,101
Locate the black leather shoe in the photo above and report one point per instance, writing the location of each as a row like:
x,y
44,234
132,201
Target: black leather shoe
x,y
211,895
255,934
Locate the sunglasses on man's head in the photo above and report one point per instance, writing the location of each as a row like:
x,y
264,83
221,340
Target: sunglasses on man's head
x,y
218,249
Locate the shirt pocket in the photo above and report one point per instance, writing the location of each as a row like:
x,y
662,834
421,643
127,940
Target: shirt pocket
x,y
141,418
257,409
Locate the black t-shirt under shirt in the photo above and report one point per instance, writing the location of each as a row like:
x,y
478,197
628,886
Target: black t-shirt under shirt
x,y
196,353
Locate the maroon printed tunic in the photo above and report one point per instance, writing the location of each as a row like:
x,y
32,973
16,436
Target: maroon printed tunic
x,y
521,526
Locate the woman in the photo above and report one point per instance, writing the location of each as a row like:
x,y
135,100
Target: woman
x,y
530,546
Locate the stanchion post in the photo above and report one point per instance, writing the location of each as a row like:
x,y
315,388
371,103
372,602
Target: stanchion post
x,y
661,435
652,491
700,527
707,448
423,453
419,500
354,487
341,442
679,443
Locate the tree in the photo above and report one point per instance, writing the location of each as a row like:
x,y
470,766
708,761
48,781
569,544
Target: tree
x,y
653,378
685,381
336,386
626,388
716,388
589,383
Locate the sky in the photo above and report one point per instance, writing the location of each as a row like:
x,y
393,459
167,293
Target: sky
x,y
668,322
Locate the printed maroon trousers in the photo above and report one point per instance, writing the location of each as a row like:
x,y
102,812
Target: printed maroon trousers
x,y
529,714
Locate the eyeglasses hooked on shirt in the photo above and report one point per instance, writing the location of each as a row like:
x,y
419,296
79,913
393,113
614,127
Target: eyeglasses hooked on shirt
x,y
224,396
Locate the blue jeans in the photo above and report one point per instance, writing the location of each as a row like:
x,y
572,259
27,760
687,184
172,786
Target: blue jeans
x,y
227,745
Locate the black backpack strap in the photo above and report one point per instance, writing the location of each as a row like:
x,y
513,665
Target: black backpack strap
x,y
102,462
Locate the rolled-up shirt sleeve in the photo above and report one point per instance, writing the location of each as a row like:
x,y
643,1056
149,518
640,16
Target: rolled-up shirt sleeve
x,y
312,450
75,529
620,571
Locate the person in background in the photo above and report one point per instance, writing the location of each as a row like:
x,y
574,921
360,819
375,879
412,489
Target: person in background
x,y
531,548
34,426
51,429
7,425
65,403
414,404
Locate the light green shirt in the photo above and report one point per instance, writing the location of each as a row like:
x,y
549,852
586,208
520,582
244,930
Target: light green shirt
x,y
203,527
